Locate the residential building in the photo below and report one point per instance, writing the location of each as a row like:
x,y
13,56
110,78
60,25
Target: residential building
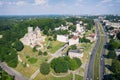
x,y
75,53
62,38
92,37
62,28
74,40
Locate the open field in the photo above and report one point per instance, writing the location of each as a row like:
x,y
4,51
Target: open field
x,y
55,46
78,77
27,54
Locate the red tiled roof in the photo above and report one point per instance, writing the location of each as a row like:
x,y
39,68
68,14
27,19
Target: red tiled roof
x,y
75,37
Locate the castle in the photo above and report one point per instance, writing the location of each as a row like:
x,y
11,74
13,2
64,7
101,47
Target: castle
x,y
33,38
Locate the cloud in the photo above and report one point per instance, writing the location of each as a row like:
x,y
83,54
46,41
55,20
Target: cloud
x,y
40,2
106,1
18,3
21,3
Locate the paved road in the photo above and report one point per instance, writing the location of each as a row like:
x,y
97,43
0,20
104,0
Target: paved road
x,y
102,62
90,71
11,71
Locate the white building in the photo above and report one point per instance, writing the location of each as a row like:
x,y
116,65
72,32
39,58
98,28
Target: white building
x,y
81,22
33,38
80,29
74,40
62,28
62,38
115,25
75,53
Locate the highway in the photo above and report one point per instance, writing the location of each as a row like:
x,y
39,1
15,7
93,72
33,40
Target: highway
x,y
12,72
102,62
90,71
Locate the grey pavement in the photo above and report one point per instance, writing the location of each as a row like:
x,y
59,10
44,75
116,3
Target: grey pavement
x,y
12,71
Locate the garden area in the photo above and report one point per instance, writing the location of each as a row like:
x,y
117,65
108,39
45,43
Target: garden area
x,y
30,61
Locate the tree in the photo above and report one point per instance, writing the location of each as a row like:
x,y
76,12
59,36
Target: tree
x,y
59,65
115,66
12,58
78,61
118,35
73,47
112,54
72,28
84,40
18,45
40,52
45,53
45,68
62,64
54,37
113,44
34,49
73,64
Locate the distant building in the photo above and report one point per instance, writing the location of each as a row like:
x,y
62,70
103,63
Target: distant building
x,y
62,38
75,53
74,40
33,37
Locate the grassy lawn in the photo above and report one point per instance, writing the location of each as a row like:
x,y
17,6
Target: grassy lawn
x,y
32,59
78,77
90,31
108,62
50,77
98,55
87,49
55,46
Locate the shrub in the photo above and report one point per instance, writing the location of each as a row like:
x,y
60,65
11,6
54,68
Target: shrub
x,y
32,60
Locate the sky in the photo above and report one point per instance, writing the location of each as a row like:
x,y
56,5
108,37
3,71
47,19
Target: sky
x,y
62,7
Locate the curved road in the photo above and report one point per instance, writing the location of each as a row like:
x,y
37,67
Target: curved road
x,y
12,72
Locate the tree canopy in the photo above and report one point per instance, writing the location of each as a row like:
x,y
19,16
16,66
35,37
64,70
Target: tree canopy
x,y
18,45
45,68
116,66
63,64
118,35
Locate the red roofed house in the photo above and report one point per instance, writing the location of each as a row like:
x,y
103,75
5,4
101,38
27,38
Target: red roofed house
x,y
74,40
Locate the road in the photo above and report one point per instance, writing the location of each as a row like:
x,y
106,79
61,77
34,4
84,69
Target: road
x,y
12,72
102,62
90,71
